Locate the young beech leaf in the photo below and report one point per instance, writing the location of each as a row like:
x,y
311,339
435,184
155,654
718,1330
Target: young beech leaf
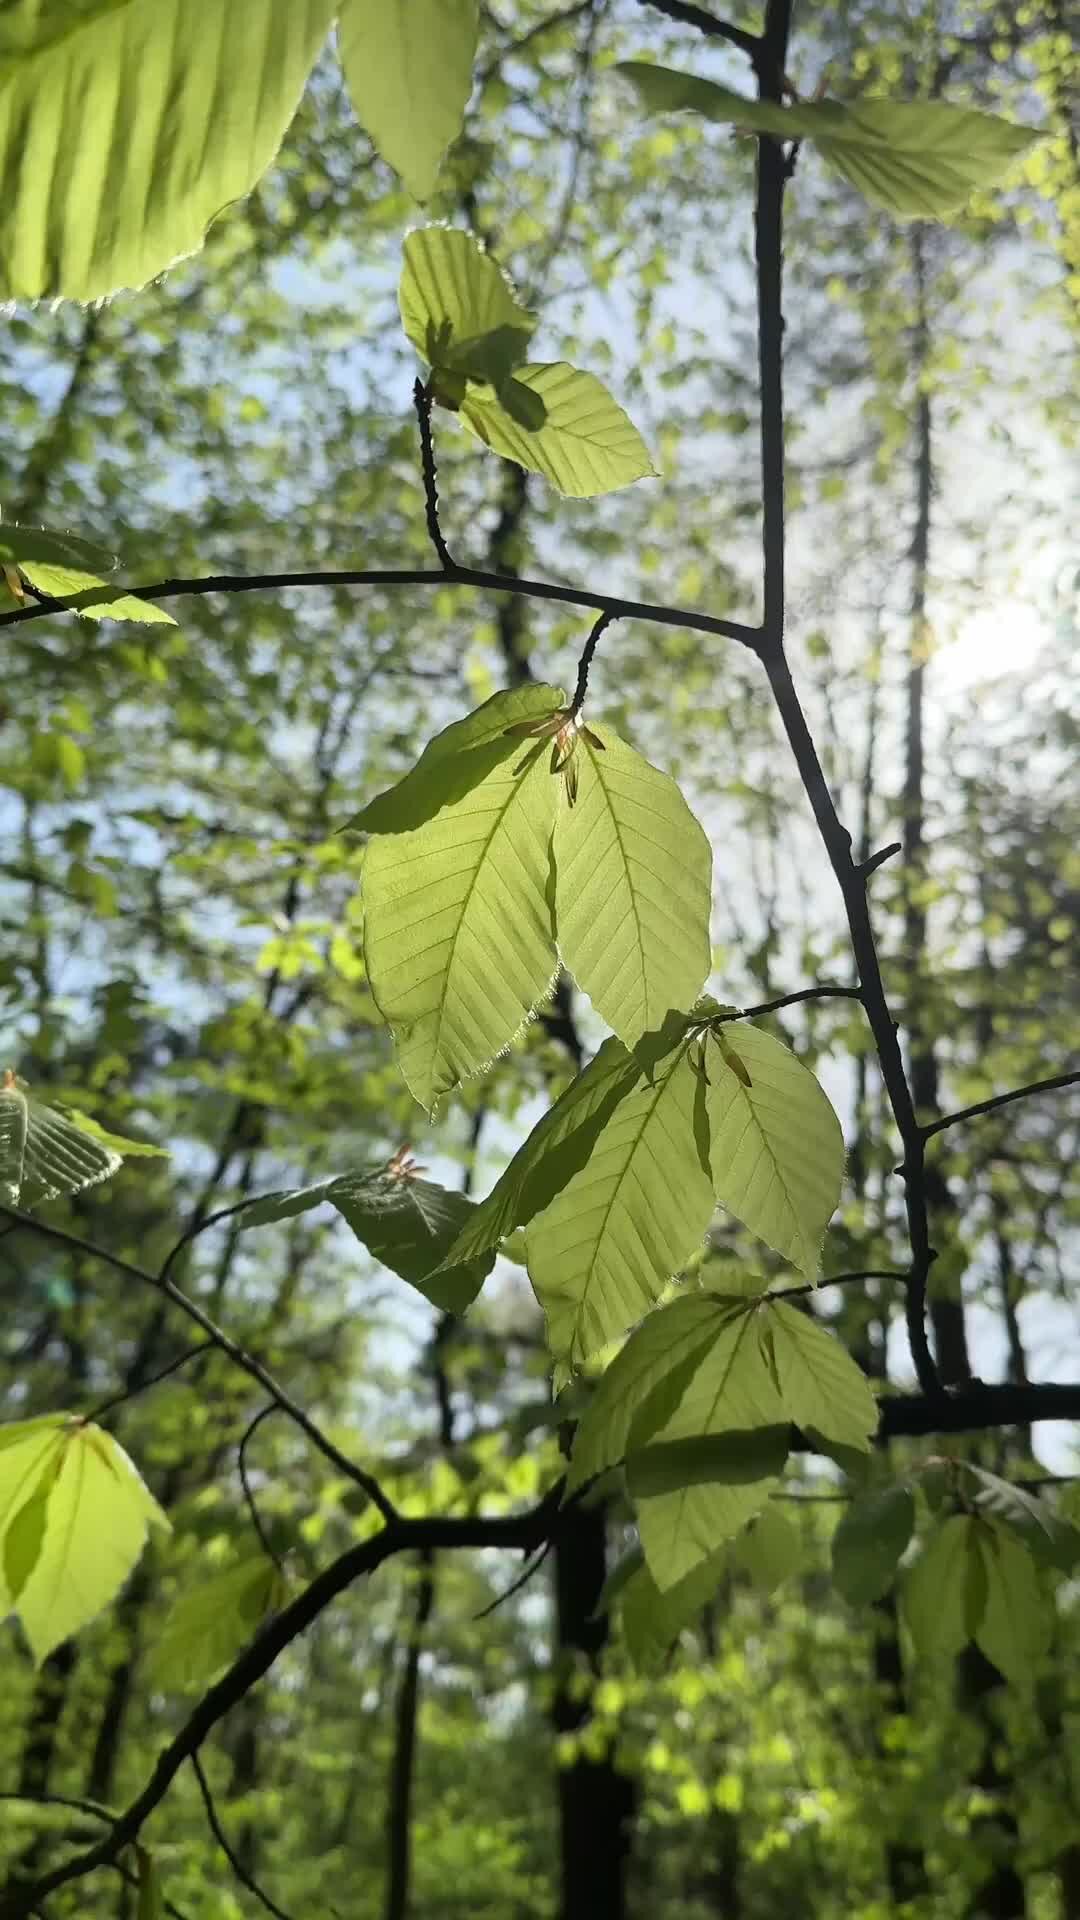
x,y
96,1517
776,1147
408,67
919,158
61,583
633,888
1015,1626
458,938
453,295
116,1142
944,1593
44,1155
556,1149
1050,1539
126,174
211,1619
586,446
819,1383
652,1619
771,1548
409,1225
601,1253
458,759
869,1541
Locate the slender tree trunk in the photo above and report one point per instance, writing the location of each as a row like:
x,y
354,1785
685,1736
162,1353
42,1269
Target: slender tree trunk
x,y
596,1802
403,1763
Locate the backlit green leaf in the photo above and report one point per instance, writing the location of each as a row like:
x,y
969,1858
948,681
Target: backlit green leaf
x,y
1016,1623
1051,1539
211,1619
122,138
776,1147
633,888
60,583
28,1452
601,1253
409,1226
45,547
771,1549
869,1541
944,1592
652,1619
457,759
408,66
587,444
453,296
116,1142
921,158
44,1155
819,1383
458,938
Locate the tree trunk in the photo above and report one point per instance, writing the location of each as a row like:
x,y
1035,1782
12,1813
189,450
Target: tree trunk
x,y
596,1802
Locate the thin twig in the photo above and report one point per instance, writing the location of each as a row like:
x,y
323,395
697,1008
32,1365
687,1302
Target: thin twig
x,y
582,687
878,859
152,1380
827,992
1000,1100
515,1586
241,1460
707,23
213,1821
422,401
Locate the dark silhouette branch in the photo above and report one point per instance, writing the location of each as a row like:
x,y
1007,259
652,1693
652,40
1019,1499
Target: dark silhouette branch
x,y
120,1399
213,1821
422,401
707,23
589,649
1001,1100
249,1496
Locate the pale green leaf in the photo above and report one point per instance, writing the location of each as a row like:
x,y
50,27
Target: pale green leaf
x,y
123,138
211,1619
23,1540
453,298
98,1515
409,1226
602,1252
60,583
922,158
652,1619
776,1147
1016,1623
29,1450
870,1539
587,444
458,938
556,1149
944,1592
43,1155
457,759
1053,1540
645,1382
116,1142
820,1384
408,66
284,1204
27,547
771,1549
633,888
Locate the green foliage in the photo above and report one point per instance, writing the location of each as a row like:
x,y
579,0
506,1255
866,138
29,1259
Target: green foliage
x,y
212,1619
585,444
771,1548
868,1543
944,1591
457,760
919,159
74,1517
652,1617
408,65
43,1154
132,160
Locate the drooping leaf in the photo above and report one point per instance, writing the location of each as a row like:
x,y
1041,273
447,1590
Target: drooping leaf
x,y
454,298
96,1522
1015,1625
457,759
116,1142
60,583
211,1619
633,888
408,66
919,158
28,1451
25,547
409,1225
556,1149
819,1383
652,1619
870,1539
124,136
587,444
777,1150
458,938
1050,1538
42,1154
601,1253
770,1550
944,1592
284,1204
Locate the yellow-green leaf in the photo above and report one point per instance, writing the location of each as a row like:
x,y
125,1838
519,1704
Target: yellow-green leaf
x,y
28,1449
822,1388
1015,1627
633,887
408,65
944,1592
587,444
211,1619
60,583
454,298
458,758
42,1154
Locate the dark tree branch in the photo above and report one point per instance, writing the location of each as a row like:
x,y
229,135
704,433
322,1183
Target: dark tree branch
x,y
707,23
589,649
213,1821
422,401
252,1505
1001,1100
793,1000
878,859
120,1399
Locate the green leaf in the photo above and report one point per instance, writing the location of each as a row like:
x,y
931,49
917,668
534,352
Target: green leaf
x,y
921,158
29,1450
777,1150
556,1149
62,582
652,1619
116,1142
96,1524
524,405
1015,1626
454,299
1048,1537
633,888
43,546
819,1383
211,1620
284,1204
944,1592
770,1550
409,1225
586,446
43,1155
457,759
869,1541
408,66
122,138
601,1253
23,1540
458,938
